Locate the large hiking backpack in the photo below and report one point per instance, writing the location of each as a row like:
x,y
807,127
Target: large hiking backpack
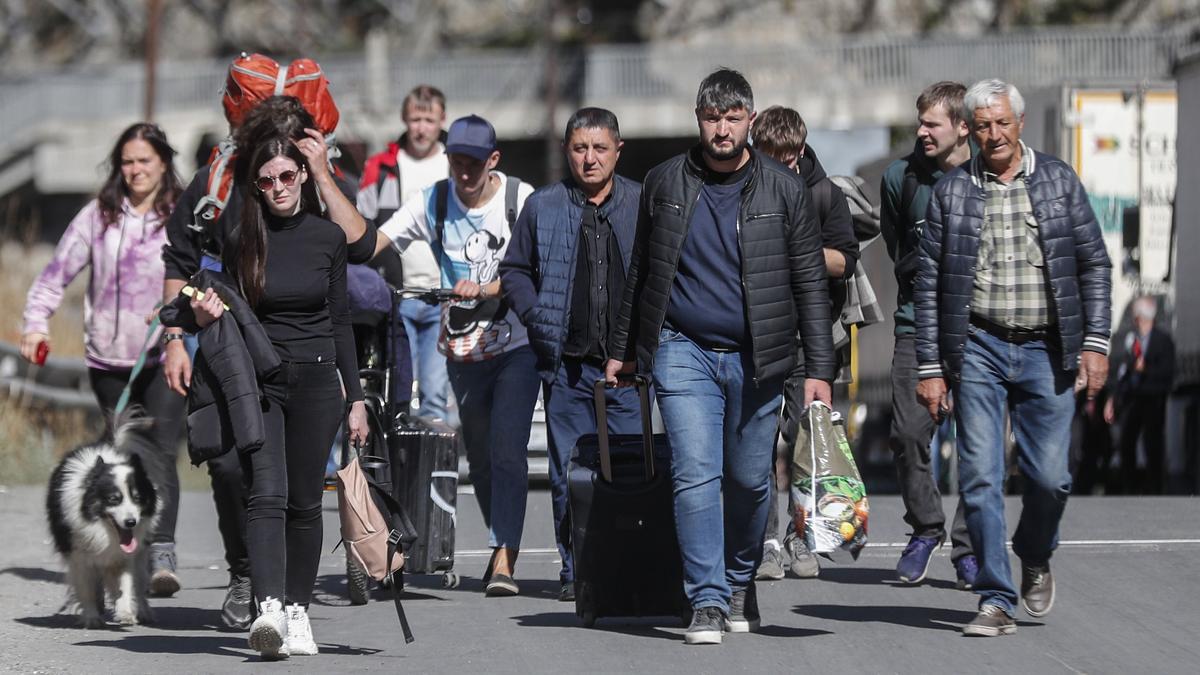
x,y
251,80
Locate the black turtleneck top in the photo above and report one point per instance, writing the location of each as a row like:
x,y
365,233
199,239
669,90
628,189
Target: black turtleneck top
x,y
304,307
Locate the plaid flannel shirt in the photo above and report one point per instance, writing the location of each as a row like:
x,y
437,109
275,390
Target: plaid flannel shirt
x,y
1010,281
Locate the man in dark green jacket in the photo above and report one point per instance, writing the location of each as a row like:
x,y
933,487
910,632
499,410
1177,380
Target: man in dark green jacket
x,y
942,144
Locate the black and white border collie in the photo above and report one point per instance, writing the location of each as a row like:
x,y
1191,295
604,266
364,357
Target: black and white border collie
x,y
102,508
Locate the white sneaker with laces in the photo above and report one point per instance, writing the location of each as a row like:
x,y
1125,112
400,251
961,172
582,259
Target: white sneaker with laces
x,y
268,633
299,632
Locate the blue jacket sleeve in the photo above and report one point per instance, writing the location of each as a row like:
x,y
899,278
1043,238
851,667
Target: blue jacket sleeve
x,y
519,268
925,292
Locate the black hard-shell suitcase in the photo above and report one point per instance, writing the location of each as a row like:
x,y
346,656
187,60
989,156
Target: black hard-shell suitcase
x,y
619,493
424,461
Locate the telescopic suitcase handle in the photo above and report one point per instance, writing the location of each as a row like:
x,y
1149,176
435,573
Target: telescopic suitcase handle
x,y
643,387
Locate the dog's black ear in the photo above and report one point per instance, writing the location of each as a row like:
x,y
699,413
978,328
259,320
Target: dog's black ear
x,y
99,483
143,488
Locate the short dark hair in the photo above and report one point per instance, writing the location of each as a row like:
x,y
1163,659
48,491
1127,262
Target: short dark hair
x,y
423,97
725,89
947,94
779,132
592,118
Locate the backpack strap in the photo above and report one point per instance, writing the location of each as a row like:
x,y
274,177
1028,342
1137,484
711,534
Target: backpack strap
x,y
908,190
511,186
441,204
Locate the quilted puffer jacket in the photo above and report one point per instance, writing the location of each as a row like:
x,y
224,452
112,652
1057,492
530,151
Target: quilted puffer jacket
x,y
783,268
1078,272
224,397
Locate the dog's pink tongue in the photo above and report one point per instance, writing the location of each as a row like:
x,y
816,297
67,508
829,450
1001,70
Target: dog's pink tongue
x,y
129,543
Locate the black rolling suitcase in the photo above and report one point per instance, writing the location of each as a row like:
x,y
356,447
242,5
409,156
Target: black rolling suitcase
x,y
424,460
619,493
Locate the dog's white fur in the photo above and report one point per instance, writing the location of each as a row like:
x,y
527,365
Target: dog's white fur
x,y
96,563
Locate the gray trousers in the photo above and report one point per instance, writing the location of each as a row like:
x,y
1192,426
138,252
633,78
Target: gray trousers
x,y
912,429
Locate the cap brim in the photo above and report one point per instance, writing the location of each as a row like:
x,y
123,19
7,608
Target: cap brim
x,y
470,150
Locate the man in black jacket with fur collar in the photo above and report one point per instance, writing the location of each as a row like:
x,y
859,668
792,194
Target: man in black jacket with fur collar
x,y
727,268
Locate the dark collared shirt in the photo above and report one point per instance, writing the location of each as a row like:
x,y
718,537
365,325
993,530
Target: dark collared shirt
x,y
597,288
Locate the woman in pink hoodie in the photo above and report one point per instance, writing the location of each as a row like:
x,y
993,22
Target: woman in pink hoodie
x,y
120,236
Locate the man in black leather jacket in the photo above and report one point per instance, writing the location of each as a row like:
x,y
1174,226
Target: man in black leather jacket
x,y
1013,303
727,267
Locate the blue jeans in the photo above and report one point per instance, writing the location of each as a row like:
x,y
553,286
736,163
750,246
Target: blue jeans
x,y
495,403
1028,382
721,426
423,322
571,413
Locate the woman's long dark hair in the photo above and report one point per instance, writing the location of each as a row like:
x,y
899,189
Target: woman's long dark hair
x,y
250,265
115,190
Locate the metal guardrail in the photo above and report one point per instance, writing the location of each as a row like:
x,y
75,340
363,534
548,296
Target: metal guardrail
x,y
61,383
1029,58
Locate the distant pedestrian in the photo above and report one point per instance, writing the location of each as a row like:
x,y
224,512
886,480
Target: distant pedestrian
x,y
1144,377
727,267
118,237
389,179
564,275
942,144
1013,298
781,134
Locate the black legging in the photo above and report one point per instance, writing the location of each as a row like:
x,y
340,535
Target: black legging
x,y
304,408
157,446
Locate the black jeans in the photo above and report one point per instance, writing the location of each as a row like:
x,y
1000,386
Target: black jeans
x,y
1144,416
303,409
158,446
912,430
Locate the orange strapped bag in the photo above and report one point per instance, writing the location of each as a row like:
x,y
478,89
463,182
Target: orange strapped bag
x,y
251,80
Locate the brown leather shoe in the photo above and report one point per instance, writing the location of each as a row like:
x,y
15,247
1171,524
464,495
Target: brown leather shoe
x,y
991,621
1037,589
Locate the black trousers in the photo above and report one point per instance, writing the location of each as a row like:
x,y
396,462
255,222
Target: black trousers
x,y
1143,416
912,430
158,446
286,479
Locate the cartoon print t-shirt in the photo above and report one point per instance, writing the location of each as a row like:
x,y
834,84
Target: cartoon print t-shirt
x,y
474,244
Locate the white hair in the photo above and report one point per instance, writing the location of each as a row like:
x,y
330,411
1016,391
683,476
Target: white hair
x,y
983,94
1145,308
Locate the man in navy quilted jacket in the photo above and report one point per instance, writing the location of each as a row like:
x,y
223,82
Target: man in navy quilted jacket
x,y
1013,304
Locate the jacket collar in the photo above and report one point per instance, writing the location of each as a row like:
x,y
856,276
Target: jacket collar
x,y
694,165
978,168
614,198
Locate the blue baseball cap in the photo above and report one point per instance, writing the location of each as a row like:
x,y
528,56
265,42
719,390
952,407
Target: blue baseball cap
x,y
471,135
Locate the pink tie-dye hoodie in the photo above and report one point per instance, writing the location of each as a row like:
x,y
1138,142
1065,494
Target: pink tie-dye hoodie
x,y
124,287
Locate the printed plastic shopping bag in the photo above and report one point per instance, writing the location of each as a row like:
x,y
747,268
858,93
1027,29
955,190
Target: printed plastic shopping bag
x,y
829,494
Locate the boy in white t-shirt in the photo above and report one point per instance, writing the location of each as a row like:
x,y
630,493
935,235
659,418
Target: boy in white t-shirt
x,y
491,366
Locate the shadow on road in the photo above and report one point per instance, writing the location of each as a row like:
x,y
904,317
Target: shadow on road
x,y
639,627
936,618
872,575
220,645
165,618
35,574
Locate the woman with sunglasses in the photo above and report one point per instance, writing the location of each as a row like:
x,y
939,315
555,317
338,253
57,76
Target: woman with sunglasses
x,y
119,235
290,264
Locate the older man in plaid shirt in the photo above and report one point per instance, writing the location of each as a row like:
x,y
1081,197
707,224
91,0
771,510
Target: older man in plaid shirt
x,y
1013,303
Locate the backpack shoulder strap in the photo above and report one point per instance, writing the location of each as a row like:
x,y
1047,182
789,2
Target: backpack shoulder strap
x,y
908,190
441,205
511,186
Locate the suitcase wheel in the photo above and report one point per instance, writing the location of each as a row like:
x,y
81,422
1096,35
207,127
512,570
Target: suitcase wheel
x,y
450,580
589,619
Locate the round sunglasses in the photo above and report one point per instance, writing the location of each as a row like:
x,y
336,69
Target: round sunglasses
x,y
287,179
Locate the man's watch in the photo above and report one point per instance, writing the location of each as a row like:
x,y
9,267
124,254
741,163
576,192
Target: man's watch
x,y
168,337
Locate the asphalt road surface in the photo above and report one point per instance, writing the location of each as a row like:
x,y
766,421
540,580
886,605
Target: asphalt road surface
x,y
1128,574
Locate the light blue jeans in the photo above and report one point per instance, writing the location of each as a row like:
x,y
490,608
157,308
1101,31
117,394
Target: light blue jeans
x,y
423,322
721,425
1028,381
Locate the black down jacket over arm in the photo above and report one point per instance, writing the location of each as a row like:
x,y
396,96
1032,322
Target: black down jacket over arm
x,y
235,357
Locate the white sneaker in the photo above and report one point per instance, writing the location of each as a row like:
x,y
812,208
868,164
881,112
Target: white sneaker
x,y
299,632
268,633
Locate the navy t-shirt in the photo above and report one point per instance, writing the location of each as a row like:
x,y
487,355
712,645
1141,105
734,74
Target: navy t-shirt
x,y
707,299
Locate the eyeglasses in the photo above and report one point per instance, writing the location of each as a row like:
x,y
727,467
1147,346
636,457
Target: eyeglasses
x,y
287,179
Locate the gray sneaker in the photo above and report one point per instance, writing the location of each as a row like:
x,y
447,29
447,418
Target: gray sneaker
x,y
991,621
804,562
1037,589
743,611
771,567
235,610
707,625
163,581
